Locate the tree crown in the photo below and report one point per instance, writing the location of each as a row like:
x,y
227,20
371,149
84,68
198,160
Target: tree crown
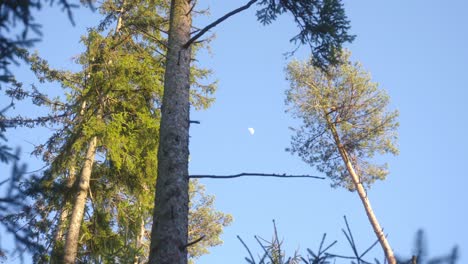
x,y
344,97
322,24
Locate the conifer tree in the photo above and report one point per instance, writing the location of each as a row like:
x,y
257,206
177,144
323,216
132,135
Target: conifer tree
x,y
344,124
322,25
115,99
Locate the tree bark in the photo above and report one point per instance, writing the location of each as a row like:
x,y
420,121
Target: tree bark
x,y
57,252
64,213
71,242
139,241
362,195
170,216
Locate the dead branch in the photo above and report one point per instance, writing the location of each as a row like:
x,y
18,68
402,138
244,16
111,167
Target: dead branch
x,y
194,242
254,175
218,21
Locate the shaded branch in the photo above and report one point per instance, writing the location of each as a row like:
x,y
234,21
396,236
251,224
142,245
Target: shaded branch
x,y
193,242
191,8
147,34
254,174
252,260
218,21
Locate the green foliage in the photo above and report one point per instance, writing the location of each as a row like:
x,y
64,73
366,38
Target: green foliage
x,y
18,15
354,105
5,151
116,97
322,24
204,221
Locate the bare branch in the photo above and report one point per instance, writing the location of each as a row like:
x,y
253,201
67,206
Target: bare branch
x,y
194,242
252,260
191,8
218,21
253,175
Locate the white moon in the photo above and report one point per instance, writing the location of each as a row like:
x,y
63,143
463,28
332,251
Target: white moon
x,y
251,130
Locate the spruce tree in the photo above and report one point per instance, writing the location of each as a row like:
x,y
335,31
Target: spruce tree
x,y
115,101
323,26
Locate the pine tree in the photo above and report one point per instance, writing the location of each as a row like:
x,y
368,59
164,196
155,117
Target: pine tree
x,y
344,124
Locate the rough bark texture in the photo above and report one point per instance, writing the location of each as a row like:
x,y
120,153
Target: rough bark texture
x,y
170,216
363,196
71,242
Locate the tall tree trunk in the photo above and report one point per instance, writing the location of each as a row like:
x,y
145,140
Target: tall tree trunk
x,y
71,242
64,213
362,195
170,215
57,251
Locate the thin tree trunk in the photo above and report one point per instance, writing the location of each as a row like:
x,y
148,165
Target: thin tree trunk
x,y
71,242
170,216
139,241
57,251
64,213
362,195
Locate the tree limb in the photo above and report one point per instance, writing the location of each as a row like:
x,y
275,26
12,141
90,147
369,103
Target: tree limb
x,y
218,21
193,242
254,174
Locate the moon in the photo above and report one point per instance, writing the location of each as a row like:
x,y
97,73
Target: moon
x,y
251,130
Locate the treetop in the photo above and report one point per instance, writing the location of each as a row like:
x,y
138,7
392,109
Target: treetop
x,y
346,99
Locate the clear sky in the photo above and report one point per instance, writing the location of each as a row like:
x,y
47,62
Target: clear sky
x,y
417,50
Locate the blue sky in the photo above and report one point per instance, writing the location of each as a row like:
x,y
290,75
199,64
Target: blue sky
x,y
416,50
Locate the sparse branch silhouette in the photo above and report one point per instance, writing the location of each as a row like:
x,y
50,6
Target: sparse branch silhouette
x,y
253,174
272,252
218,21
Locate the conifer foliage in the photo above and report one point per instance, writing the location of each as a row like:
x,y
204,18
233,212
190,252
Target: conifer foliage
x,y
355,106
323,25
345,122
16,24
94,202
